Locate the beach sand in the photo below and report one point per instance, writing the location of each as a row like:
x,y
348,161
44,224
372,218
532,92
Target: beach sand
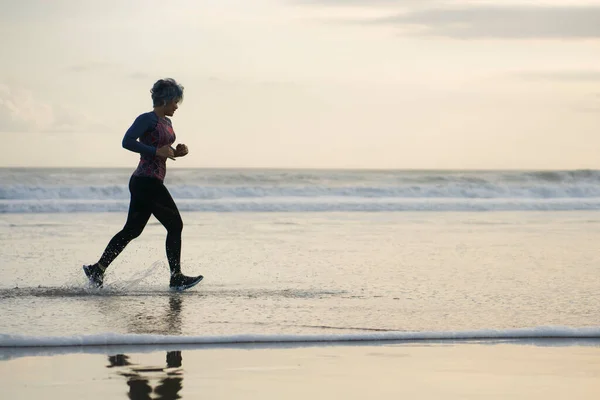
x,y
540,369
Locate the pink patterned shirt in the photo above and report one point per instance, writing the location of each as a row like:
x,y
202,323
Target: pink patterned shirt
x,y
148,133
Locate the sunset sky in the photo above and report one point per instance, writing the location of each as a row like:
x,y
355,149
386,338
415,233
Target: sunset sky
x,y
419,84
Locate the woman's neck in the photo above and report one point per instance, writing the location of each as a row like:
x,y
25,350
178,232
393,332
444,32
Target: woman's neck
x,y
159,111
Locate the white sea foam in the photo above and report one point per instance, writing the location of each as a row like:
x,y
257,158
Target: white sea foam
x,y
112,339
69,191
318,204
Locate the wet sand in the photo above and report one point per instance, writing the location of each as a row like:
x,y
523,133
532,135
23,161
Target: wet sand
x,y
537,369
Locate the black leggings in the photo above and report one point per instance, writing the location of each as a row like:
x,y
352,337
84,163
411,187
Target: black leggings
x,y
148,196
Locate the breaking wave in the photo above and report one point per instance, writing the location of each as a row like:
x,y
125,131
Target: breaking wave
x,y
113,339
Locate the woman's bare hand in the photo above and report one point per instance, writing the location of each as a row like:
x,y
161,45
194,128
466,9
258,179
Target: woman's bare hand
x,y
165,152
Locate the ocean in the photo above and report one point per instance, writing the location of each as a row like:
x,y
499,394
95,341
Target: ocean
x,y
305,255
100,190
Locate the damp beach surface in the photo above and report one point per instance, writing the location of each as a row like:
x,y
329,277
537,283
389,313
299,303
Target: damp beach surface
x,y
305,273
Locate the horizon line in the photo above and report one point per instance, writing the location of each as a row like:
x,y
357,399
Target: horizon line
x,y
319,168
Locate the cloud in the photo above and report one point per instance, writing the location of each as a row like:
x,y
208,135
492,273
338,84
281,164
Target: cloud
x,y
90,67
589,104
138,75
567,76
493,22
369,3
106,68
21,112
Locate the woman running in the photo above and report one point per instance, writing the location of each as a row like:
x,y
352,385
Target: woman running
x,y
151,135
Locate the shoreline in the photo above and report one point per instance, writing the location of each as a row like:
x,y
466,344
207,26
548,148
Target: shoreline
x,y
393,337
44,351
381,371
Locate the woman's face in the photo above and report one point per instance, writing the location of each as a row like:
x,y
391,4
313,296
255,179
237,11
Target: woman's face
x,y
171,107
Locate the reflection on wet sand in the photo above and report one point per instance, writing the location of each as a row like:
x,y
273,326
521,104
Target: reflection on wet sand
x,y
158,315
140,378
167,381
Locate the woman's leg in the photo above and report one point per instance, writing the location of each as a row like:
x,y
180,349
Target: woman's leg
x,y
165,210
139,213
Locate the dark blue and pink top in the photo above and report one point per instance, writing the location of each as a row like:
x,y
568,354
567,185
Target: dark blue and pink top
x,y
148,133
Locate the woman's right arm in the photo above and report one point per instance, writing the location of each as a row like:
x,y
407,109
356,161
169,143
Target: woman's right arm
x,y
141,125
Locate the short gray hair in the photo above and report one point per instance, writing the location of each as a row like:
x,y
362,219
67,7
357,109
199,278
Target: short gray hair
x,y
165,91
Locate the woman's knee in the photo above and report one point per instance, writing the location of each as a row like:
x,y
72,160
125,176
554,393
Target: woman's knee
x,y
132,232
175,226
179,225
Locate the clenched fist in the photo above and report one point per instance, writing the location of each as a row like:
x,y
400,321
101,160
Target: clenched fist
x,y
181,150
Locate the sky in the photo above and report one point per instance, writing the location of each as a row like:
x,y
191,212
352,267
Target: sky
x,y
402,84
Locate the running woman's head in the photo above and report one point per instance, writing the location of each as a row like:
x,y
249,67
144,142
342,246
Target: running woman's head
x,y
166,96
